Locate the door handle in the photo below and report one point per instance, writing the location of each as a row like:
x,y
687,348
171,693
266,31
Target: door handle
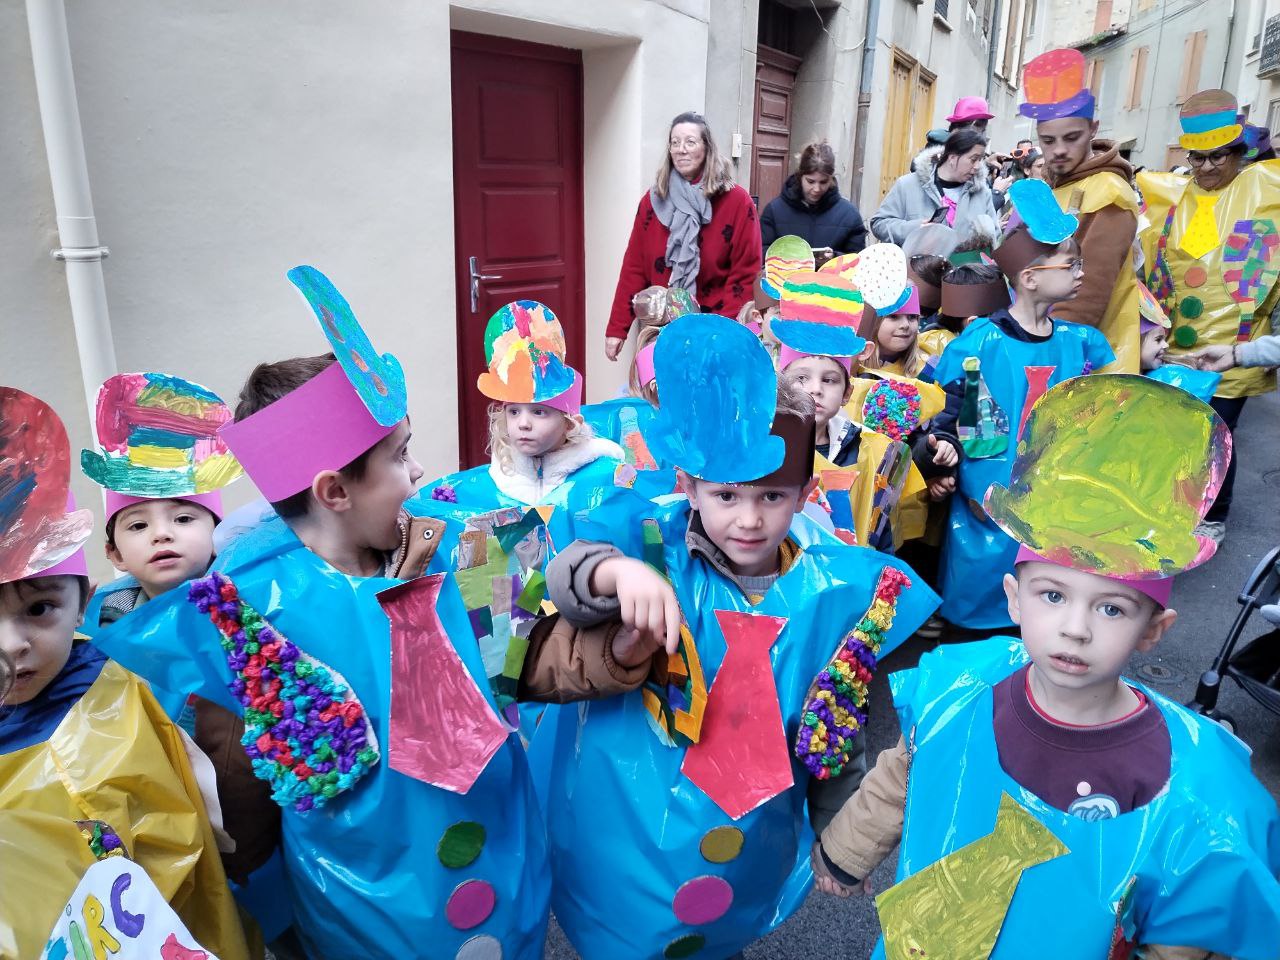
x,y
475,283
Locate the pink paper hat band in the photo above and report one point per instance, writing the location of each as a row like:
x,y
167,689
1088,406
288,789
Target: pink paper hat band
x,y
787,356
644,365
76,565
1158,590
211,501
570,401
323,425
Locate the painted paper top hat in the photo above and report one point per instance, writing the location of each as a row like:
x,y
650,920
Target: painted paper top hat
x,y
1054,86
524,349
1210,119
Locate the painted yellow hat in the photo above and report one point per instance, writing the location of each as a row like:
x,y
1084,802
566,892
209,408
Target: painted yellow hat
x,y
1210,119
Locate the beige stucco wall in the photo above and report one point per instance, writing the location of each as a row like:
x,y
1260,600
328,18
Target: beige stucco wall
x,y
230,141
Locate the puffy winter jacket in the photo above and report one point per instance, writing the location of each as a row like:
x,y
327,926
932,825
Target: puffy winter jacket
x,y
832,222
915,198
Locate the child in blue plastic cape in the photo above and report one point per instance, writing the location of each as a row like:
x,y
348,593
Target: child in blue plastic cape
x,y
1153,329
994,371
538,439
1124,821
163,465
308,611
676,814
83,744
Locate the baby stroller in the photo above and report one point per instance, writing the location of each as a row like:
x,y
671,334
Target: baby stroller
x,y
1256,666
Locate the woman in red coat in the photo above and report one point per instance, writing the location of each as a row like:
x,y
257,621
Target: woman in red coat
x,y
695,229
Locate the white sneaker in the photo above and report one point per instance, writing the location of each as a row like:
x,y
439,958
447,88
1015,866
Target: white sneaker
x,y
1213,529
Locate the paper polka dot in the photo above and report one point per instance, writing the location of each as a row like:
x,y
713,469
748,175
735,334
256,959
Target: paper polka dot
x,y
1195,276
470,904
1185,336
702,900
461,844
722,844
685,946
1191,307
483,947
1083,788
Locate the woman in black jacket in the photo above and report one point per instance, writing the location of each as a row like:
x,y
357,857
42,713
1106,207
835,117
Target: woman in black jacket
x,y
811,207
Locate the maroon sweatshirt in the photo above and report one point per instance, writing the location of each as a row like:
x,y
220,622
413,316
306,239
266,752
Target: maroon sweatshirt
x,y
730,250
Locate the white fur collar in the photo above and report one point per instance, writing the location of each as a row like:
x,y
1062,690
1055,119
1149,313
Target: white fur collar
x,y
530,479
926,162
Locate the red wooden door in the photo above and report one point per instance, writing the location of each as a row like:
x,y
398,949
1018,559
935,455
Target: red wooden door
x,y
770,152
517,200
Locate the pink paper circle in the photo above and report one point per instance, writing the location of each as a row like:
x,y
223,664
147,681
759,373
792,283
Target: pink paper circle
x,y
702,900
470,904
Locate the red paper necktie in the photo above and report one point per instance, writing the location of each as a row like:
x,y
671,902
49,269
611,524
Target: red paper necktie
x,y
442,730
741,760
1037,387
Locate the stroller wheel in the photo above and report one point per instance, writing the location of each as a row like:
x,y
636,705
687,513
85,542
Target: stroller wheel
x,y
1222,720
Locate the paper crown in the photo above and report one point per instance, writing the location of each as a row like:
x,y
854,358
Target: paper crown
x,y
158,437
785,256
1054,86
973,299
39,527
718,399
1043,226
1084,494
524,349
1209,119
820,314
1149,309
644,364
970,108
331,419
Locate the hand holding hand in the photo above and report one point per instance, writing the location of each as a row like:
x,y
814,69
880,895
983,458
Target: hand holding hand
x,y
941,487
1217,358
650,613
825,882
613,347
945,454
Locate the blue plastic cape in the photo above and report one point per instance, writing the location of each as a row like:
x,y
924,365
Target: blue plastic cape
x,y
364,873
1202,857
623,421
626,826
976,554
1201,384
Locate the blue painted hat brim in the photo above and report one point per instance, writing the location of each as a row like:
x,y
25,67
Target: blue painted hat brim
x,y
817,338
896,306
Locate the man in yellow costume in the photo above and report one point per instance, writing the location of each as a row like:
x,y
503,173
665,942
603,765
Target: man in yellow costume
x,y
1090,179
1212,251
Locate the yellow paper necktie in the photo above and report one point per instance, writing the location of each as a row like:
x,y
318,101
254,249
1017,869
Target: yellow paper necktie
x,y
1201,234
956,906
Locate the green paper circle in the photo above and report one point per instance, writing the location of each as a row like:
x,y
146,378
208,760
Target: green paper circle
x,y
721,844
1185,336
685,946
461,844
1191,307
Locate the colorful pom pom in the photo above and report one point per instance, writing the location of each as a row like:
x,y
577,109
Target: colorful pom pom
x,y
892,408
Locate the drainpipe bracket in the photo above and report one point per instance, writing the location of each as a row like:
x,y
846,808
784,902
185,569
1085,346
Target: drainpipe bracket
x,y
80,254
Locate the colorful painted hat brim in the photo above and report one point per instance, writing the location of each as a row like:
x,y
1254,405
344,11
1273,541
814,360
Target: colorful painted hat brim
x,y
1212,139
1078,105
553,380
120,475
818,339
897,305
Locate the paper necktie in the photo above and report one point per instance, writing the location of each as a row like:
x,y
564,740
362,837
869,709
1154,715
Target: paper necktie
x,y
956,906
741,759
442,730
1201,234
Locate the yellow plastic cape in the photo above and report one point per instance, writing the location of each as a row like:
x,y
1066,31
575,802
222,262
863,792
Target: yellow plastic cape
x,y
934,341
116,758
910,515
1119,324
1186,285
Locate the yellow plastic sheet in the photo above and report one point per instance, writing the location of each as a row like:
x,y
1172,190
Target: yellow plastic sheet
x,y
117,758
1119,322
1195,291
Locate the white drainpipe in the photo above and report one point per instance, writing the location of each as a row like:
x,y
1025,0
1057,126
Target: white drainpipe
x,y
77,227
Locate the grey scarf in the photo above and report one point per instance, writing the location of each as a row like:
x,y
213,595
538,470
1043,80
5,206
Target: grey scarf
x,y
682,211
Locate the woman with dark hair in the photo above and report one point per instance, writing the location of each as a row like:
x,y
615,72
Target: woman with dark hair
x,y
949,185
694,229
810,206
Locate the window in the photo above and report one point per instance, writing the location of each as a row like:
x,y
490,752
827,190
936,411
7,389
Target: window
x,y
1192,55
1010,42
1102,16
1093,77
1273,115
1137,77
940,8
1031,18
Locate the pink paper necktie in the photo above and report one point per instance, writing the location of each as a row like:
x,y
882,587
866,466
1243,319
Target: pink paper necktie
x,y
442,729
741,760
